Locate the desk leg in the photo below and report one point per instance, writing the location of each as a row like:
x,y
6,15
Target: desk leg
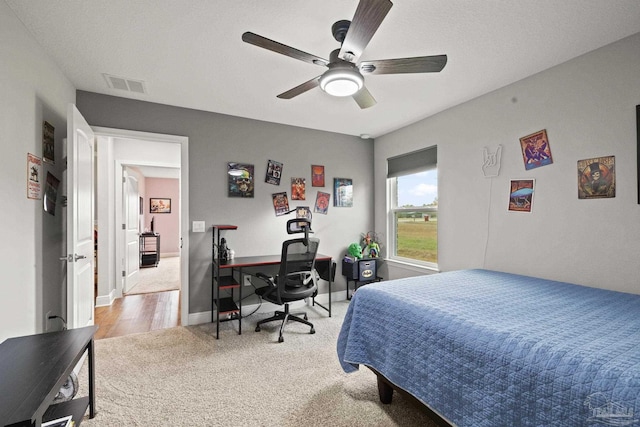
x,y
92,390
330,274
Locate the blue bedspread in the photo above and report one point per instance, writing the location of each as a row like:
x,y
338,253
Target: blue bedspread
x,y
492,349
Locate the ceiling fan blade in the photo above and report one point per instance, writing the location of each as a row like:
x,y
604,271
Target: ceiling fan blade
x,y
420,64
364,98
283,49
368,17
300,88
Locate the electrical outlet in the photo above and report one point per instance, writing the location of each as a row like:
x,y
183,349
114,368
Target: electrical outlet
x,y
247,280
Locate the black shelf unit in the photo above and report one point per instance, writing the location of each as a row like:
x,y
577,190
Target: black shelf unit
x,y
149,249
361,272
34,367
223,305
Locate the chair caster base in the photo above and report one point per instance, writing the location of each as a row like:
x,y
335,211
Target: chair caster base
x,y
312,331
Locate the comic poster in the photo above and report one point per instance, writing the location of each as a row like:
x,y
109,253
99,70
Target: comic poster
x,y
280,203
322,202
536,151
274,172
51,193
240,180
521,195
298,188
597,178
48,142
317,176
343,192
34,172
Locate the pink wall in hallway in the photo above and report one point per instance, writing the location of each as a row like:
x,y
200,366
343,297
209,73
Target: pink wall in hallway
x,y
167,224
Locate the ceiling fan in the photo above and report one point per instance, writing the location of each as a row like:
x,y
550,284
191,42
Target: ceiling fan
x,y
344,76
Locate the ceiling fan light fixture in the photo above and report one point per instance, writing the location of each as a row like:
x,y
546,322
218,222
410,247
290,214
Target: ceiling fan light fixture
x,y
341,81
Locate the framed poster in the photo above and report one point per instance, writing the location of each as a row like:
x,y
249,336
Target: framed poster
x,y
240,179
159,205
322,202
274,172
343,192
535,150
597,178
48,143
521,195
298,188
51,193
317,176
280,203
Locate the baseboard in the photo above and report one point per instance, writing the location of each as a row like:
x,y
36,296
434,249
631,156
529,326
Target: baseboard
x,y
106,300
266,307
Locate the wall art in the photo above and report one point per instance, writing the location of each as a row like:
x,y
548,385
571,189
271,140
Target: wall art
x,y
597,178
298,188
280,203
240,180
322,202
51,193
536,151
34,173
274,172
343,192
521,195
159,205
317,176
48,143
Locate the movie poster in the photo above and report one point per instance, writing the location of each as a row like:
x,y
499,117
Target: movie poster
x,y
536,151
521,195
298,188
274,172
280,203
240,180
322,202
597,178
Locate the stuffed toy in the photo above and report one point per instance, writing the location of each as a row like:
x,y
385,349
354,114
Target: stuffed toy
x,y
355,251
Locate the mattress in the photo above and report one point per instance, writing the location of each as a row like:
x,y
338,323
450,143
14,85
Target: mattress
x,y
485,348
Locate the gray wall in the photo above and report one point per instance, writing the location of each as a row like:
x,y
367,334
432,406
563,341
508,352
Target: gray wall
x,y
215,140
587,106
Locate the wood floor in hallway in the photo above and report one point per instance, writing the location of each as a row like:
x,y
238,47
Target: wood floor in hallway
x,y
134,314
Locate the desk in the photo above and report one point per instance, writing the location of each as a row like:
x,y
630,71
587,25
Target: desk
x,y
323,265
34,367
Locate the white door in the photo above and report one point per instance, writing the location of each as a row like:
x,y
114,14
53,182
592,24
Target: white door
x,y
132,235
80,231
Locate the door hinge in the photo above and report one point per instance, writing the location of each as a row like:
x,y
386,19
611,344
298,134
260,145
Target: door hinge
x,y
124,273
124,226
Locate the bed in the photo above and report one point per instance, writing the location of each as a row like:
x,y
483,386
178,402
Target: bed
x,y
485,348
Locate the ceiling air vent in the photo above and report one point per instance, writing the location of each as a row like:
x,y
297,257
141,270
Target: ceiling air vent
x,y
122,83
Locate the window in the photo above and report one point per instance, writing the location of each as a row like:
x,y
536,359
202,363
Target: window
x,y
413,207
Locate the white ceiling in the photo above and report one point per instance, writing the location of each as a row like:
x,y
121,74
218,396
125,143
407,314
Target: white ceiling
x,y
190,53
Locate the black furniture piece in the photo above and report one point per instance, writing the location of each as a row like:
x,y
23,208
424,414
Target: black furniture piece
x,y
33,368
149,249
296,280
360,272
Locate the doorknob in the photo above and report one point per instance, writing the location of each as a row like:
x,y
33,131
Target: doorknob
x,y
72,257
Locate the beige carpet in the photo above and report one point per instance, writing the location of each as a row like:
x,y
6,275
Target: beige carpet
x,y
185,377
164,277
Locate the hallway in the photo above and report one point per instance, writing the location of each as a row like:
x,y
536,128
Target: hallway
x,y
134,314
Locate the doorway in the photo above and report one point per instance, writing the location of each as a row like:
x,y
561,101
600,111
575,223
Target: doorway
x,y
117,149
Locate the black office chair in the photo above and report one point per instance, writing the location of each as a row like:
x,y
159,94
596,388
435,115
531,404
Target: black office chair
x,y
296,280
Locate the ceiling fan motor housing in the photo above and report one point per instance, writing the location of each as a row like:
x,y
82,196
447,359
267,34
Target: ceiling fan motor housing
x,y
339,30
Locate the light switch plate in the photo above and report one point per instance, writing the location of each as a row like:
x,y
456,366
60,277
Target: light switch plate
x,y
197,227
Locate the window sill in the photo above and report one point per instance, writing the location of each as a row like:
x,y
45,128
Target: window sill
x,y
413,266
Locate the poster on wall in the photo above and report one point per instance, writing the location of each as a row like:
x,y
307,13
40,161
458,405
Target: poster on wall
x,y
48,142
274,172
343,192
597,178
51,194
240,179
536,151
34,172
521,195
322,202
280,203
317,176
298,188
